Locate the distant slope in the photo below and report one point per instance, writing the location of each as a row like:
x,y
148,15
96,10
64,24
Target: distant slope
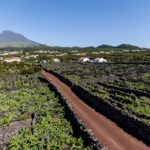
x,y
122,46
12,39
128,46
105,46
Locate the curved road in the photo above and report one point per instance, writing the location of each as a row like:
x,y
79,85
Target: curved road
x,y
105,130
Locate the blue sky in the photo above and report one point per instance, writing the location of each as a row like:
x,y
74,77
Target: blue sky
x,y
79,22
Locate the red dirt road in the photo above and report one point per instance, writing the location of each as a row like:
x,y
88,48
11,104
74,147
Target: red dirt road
x,y
105,130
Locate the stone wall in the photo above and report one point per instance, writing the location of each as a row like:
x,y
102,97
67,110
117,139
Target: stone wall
x,y
129,123
79,128
136,92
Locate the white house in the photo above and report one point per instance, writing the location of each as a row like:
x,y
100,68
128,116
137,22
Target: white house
x,y
56,60
4,53
12,59
125,50
31,56
100,60
84,59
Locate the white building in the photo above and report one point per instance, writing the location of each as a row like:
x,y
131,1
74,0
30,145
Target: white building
x,y
125,50
31,56
56,60
4,53
12,59
100,60
84,59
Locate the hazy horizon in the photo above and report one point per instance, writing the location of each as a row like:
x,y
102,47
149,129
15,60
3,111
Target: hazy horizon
x,y
79,23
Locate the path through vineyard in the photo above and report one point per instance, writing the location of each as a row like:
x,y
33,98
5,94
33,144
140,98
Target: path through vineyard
x,y
104,129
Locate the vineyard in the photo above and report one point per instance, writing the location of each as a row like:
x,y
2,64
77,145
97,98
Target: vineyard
x,y
125,86
31,116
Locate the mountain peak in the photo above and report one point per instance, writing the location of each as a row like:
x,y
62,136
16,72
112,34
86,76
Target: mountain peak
x,y
7,31
9,38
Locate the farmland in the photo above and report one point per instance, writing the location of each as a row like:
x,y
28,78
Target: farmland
x,y
125,86
34,115
27,104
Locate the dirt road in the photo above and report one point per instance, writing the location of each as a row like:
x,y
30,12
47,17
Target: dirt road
x,y
104,129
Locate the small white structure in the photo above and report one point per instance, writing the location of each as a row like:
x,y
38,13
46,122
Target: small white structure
x,y
56,60
84,59
4,53
12,59
44,61
125,50
31,56
100,60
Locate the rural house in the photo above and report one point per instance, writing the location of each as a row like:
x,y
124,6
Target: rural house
x,y
100,60
12,59
56,60
84,59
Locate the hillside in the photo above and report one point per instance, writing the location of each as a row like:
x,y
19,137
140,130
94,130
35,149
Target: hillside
x,y
12,39
122,46
128,46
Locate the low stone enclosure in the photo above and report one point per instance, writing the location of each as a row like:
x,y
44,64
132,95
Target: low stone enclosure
x,y
129,123
79,127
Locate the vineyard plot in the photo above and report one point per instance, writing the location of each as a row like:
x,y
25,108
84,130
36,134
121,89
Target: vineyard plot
x,y
31,116
125,86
